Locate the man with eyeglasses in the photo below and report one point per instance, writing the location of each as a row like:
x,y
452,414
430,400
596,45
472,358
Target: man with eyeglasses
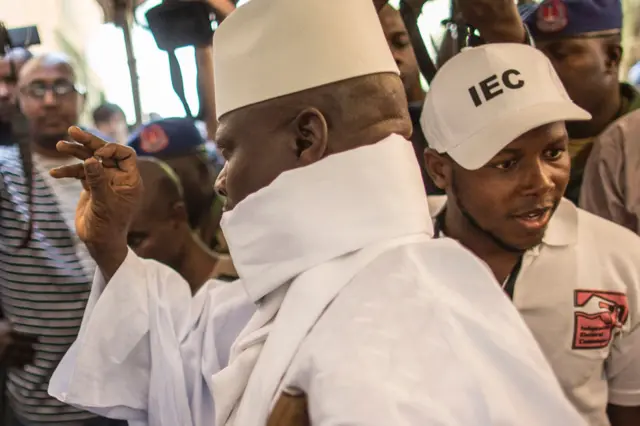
x,y
45,272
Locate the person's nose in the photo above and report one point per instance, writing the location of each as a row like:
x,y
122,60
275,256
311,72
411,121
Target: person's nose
x,y
5,92
49,98
221,181
539,179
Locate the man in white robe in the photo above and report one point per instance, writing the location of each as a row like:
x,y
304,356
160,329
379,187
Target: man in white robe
x,y
328,224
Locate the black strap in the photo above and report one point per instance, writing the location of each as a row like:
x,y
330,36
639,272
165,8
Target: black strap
x,y
425,63
177,82
438,226
510,284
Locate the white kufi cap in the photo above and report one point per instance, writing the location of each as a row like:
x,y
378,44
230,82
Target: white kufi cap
x,y
271,48
486,97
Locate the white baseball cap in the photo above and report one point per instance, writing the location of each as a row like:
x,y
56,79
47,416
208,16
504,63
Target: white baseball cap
x,y
271,48
486,97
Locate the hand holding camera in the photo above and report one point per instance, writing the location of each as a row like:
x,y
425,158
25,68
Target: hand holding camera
x,y
16,349
497,20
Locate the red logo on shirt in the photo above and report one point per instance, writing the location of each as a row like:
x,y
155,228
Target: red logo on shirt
x,y
552,16
153,139
600,315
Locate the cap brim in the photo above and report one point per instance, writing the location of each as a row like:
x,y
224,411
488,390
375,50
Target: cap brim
x,y
482,146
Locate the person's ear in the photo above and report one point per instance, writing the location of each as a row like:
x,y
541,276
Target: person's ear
x,y
311,136
438,166
613,53
179,214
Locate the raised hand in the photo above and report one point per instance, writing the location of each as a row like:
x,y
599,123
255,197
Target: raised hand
x,y
497,20
379,4
223,8
112,190
416,5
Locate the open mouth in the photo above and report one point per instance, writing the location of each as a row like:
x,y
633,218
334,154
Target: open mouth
x,y
535,219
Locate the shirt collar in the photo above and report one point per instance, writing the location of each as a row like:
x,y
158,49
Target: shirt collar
x,y
314,214
562,229
563,226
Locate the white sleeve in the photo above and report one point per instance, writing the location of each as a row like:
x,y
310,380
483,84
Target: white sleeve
x,y
130,325
623,365
623,370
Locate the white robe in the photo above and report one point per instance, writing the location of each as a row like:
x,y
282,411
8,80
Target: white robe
x,y
147,350
357,307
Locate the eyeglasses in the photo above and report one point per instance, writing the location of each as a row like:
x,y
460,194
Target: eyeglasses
x,y
59,89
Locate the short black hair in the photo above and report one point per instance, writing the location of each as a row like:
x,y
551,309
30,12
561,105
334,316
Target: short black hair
x,y
105,112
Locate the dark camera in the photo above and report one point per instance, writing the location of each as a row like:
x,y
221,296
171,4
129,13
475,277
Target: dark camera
x,y
18,37
180,24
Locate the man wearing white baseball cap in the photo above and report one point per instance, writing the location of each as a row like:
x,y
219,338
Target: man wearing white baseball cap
x,y
357,307
495,120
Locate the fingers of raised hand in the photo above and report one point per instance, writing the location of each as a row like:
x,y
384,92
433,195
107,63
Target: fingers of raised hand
x,y
117,174
75,171
74,149
90,141
122,157
78,171
111,155
116,152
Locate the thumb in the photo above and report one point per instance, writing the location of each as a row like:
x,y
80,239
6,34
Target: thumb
x,y
96,179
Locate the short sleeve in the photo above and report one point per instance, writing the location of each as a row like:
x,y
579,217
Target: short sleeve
x,y
623,369
602,186
623,364
129,336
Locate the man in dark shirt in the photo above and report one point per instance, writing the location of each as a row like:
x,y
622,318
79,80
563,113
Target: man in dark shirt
x,y
582,40
10,66
398,39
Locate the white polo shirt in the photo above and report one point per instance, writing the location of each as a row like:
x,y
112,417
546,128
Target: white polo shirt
x,y
578,292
